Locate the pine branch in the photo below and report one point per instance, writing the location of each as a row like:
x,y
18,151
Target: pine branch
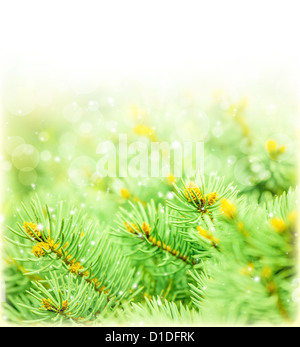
x,y
73,245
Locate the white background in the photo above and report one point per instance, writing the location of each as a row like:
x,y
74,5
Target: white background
x,y
147,38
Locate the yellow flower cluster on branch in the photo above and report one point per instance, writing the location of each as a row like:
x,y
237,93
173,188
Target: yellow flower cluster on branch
x,y
208,235
281,225
40,249
193,193
171,179
75,267
274,150
228,209
278,224
32,230
141,129
49,306
146,228
125,193
144,130
134,229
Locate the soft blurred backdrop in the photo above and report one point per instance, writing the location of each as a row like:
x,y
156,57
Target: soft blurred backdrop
x,y
53,134
75,74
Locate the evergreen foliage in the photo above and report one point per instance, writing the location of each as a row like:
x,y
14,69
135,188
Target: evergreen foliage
x,y
195,250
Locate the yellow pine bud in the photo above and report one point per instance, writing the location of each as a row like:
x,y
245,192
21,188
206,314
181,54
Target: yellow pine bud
x,y
228,208
278,224
271,146
125,193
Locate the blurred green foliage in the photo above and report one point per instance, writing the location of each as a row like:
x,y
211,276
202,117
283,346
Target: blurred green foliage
x,y
51,138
